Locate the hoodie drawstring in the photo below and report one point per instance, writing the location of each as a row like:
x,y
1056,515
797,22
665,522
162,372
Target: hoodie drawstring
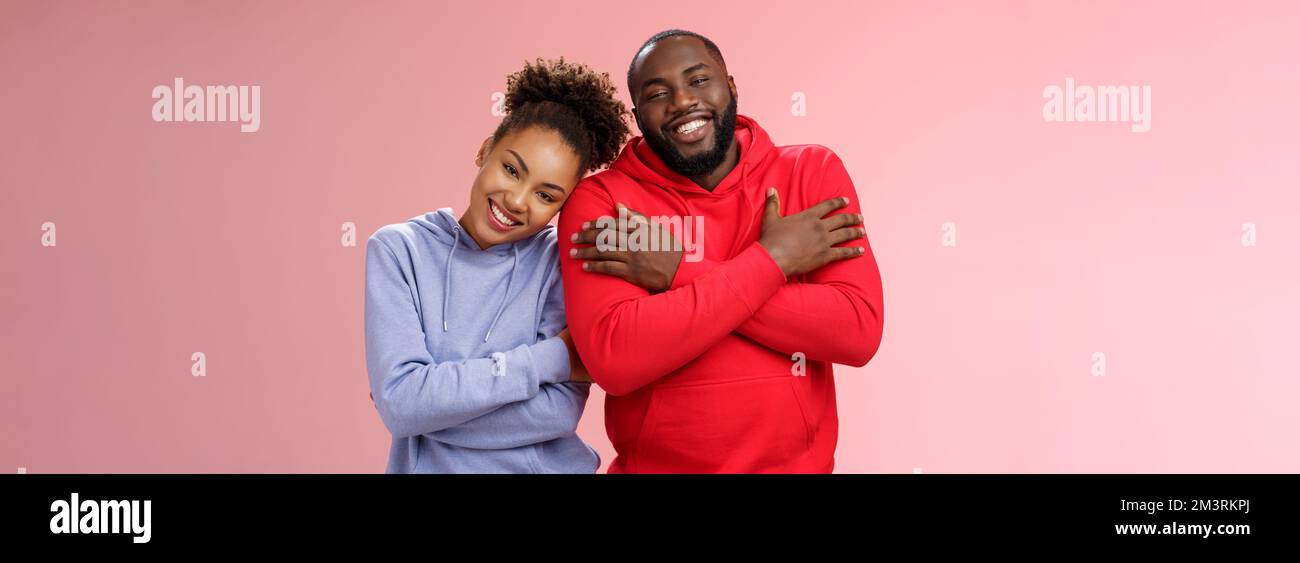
x,y
506,298
446,285
748,213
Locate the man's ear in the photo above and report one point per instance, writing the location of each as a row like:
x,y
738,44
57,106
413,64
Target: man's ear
x,y
636,118
483,151
731,83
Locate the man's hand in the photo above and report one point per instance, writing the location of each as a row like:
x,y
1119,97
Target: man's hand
x,y
652,270
805,241
577,371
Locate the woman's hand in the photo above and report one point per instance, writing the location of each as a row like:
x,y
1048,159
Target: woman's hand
x,y
577,371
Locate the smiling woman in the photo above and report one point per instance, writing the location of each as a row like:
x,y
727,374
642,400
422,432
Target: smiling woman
x,y
470,363
562,120
524,177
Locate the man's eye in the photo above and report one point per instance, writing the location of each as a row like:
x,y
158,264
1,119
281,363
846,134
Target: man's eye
x,y
511,170
655,95
699,81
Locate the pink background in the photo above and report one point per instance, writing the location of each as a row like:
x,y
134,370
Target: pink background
x,y
1073,238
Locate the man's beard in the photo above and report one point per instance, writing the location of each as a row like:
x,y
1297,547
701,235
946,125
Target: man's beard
x,y
724,128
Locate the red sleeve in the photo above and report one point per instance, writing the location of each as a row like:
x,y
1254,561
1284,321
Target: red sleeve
x,y
628,338
834,313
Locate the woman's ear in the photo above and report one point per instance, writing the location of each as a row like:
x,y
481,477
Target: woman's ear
x,y
483,151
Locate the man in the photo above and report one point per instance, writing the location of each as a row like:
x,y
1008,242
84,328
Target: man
x,y
722,364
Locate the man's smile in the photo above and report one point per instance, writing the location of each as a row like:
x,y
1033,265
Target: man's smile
x,y
690,128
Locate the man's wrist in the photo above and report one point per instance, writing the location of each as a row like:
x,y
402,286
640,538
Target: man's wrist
x,y
666,283
778,257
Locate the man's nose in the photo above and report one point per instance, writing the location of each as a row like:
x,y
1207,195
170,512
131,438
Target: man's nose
x,y
684,100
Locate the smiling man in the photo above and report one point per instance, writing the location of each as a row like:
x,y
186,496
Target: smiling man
x,y
703,362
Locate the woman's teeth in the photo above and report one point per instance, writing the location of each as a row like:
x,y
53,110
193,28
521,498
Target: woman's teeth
x,y
501,216
691,126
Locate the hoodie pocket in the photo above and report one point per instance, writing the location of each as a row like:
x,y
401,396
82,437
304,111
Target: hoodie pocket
x,y
743,426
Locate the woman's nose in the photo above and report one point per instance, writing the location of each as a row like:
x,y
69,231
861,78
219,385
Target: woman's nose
x,y
515,201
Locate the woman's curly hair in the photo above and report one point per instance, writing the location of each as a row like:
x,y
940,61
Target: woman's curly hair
x,y
571,99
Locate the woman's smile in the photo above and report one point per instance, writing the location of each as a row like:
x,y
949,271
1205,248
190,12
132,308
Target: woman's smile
x,y
499,220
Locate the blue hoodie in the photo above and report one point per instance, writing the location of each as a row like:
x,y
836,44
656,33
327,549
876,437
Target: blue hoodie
x,y
465,366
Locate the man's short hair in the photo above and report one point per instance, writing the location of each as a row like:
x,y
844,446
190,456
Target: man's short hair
x,y
709,44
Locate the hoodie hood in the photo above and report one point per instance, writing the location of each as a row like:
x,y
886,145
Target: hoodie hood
x,y
446,229
640,162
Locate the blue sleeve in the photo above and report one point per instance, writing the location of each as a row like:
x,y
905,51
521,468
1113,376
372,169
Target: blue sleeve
x,y
552,413
415,394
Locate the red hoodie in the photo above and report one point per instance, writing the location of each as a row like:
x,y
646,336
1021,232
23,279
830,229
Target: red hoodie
x,y
700,378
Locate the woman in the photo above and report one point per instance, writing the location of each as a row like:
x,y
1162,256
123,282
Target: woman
x,y
471,367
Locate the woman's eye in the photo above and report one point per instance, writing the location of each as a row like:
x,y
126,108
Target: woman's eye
x,y
546,197
511,170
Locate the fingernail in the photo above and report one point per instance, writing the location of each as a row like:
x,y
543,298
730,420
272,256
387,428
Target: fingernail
x,y
573,252
844,200
861,250
573,237
585,226
586,265
771,192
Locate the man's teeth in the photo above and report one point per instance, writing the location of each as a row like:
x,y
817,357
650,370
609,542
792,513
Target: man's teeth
x,y
501,216
691,126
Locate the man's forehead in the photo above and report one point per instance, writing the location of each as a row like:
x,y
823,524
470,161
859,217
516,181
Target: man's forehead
x,y
673,54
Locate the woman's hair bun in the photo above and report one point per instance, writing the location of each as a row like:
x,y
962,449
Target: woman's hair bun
x,y
573,100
